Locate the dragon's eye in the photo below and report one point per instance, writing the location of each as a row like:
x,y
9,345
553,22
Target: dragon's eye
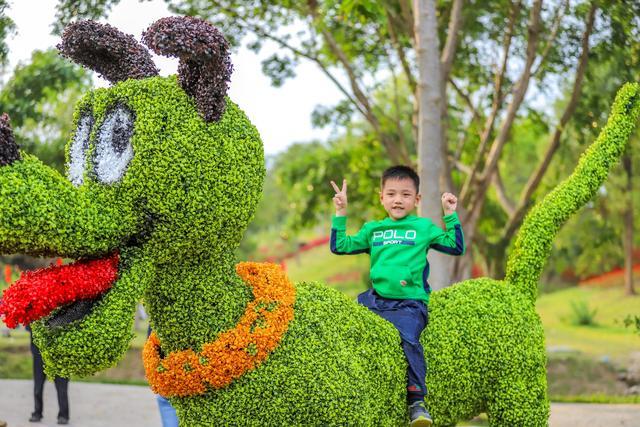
x,y
113,146
78,149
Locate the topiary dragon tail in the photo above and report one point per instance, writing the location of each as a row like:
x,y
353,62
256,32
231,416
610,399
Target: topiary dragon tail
x,y
542,223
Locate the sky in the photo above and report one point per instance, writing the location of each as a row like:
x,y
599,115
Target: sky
x,y
282,115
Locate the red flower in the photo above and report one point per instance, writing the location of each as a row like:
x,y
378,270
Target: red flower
x,y
37,293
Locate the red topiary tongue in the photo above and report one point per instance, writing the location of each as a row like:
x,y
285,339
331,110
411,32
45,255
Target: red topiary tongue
x,y
37,293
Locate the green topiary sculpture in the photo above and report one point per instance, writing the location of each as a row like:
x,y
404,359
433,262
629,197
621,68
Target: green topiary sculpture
x,y
164,175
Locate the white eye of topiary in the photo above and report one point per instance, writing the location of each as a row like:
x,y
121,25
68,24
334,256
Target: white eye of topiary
x,y
78,150
113,145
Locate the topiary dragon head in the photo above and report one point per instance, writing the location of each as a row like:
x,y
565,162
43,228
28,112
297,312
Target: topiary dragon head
x,y
160,171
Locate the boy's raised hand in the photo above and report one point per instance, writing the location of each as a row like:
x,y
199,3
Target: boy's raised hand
x,y
449,203
340,199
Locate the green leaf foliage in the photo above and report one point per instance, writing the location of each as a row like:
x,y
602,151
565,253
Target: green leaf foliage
x,y
581,314
485,352
7,27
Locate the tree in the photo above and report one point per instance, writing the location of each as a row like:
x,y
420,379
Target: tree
x,y
7,27
39,98
617,60
620,59
430,97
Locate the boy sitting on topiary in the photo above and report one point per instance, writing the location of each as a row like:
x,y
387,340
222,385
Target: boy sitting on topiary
x,y
398,248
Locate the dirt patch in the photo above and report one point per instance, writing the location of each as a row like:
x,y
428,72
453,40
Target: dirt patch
x,y
574,375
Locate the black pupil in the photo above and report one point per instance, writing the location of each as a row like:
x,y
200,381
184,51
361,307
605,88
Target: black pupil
x,y
86,123
122,131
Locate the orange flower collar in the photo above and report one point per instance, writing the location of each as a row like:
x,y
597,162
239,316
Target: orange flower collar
x,y
236,351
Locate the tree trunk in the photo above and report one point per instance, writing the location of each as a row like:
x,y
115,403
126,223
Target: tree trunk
x,y
429,143
497,259
628,228
462,266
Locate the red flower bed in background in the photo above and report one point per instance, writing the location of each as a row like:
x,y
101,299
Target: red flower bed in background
x,y
612,278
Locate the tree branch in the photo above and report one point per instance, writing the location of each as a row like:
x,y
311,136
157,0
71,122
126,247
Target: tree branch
x,y
401,54
459,165
459,148
260,32
449,50
506,203
552,37
351,74
519,92
396,150
467,100
396,103
515,219
495,105
323,68
406,10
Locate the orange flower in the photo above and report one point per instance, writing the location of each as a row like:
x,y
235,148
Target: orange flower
x,y
236,351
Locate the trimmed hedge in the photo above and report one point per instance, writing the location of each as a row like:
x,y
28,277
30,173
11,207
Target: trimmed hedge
x,y
485,352
338,364
175,216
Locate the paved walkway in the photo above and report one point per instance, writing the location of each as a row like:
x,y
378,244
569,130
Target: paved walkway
x,y
90,405
105,405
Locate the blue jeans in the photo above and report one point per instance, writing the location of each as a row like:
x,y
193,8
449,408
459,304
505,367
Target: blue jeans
x,y
167,413
410,317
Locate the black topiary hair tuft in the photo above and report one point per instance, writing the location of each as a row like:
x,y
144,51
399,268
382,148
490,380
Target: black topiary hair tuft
x,y
114,55
205,66
8,148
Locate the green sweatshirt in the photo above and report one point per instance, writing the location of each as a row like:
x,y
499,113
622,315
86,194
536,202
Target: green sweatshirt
x,y
398,250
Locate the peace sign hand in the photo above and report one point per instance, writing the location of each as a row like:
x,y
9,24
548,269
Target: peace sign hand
x,y
340,199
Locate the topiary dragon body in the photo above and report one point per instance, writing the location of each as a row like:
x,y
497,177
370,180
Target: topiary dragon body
x,y
164,176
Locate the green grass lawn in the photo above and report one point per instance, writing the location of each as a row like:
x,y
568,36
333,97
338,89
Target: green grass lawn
x,y
320,265
607,338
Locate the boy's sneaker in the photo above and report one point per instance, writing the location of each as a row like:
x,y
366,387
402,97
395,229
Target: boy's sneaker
x,y
419,415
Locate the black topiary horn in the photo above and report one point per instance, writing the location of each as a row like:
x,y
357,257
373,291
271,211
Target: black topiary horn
x,y
8,148
205,67
105,49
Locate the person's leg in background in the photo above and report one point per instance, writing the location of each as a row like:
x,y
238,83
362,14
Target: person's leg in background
x,y
38,381
167,412
62,385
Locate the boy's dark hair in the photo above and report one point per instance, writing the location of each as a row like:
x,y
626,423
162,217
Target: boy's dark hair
x,y
401,172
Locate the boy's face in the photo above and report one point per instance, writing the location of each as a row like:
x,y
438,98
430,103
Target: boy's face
x,y
399,197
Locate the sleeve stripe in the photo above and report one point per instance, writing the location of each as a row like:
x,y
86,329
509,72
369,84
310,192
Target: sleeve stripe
x,y
334,249
459,248
425,275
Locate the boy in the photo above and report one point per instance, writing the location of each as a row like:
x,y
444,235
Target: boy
x,y
398,248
